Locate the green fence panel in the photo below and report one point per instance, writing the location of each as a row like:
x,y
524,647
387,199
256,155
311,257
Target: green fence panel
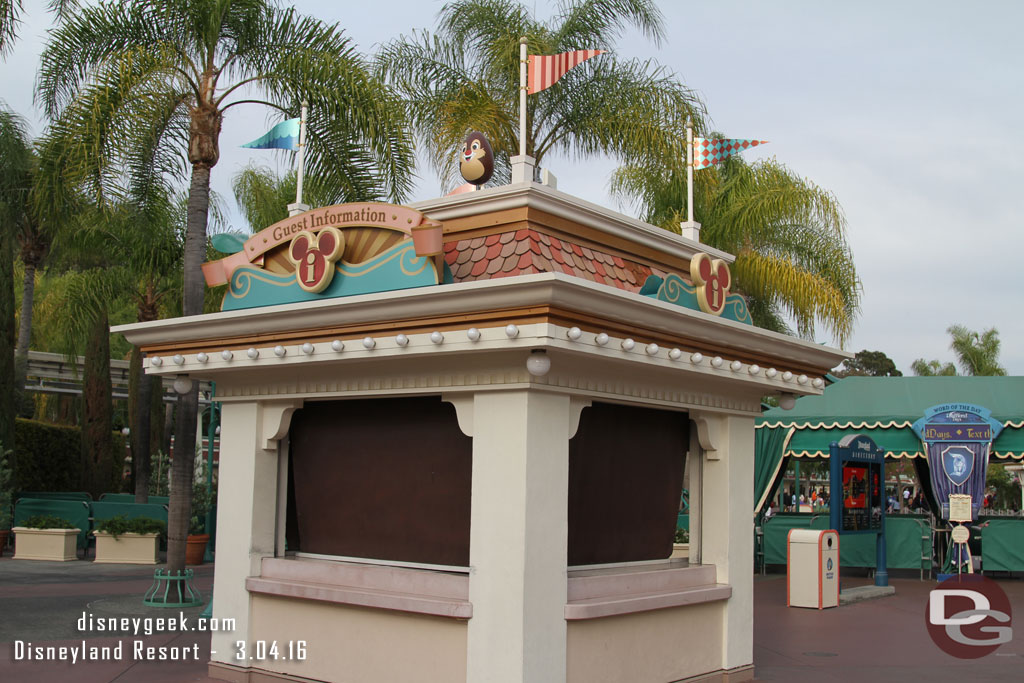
x,y
907,541
683,521
1002,545
130,498
75,511
55,495
102,510
776,530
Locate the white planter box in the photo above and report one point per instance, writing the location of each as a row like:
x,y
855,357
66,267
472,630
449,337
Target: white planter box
x,y
59,545
680,550
127,548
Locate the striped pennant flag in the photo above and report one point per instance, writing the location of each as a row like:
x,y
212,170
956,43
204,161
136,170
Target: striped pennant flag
x,y
544,70
710,152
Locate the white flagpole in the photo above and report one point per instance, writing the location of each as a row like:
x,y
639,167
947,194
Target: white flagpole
x,y
302,153
522,96
691,228
689,170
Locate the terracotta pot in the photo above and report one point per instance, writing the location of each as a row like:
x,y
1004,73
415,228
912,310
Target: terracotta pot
x,y
428,239
195,548
4,533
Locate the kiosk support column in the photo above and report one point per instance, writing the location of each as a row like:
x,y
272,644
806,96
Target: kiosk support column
x,y
247,510
518,537
728,478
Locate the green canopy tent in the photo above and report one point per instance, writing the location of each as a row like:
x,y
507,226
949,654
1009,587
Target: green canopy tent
x,y
883,408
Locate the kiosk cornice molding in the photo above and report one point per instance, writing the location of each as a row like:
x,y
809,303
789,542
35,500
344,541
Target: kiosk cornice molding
x,y
458,389
545,297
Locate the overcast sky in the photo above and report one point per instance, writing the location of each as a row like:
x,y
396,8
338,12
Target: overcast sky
x,y
907,111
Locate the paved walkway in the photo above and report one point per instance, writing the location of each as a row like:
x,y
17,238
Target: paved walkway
x,y
876,640
41,604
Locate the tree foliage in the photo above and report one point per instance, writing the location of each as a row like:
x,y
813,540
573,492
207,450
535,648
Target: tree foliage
x,y
789,237
14,163
932,368
977,354
10,18
263,195
466,77
140,90
868,364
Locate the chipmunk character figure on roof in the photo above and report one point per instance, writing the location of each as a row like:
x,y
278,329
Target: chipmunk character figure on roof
x,y
476,163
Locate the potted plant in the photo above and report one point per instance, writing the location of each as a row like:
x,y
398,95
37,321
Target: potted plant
x,y
129,541
5,498
46,537
195,544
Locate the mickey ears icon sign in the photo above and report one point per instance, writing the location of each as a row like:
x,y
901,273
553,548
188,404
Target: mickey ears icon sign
x,y
314,256
712,280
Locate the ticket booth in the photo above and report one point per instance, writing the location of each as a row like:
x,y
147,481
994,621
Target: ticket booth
x,y
466,465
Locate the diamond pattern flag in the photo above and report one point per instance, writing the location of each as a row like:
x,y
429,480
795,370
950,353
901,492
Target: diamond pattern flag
x,y
710,152
284,135
543,71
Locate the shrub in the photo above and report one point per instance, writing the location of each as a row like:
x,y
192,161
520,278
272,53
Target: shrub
x,y
115,526
682,536
47,522
49,458
5,488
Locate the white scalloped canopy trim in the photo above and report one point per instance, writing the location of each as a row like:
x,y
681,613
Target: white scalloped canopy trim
x,y
860,425
823,454
903,454
838,425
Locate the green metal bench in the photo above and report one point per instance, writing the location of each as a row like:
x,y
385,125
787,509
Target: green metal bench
x,y
55,495
130,498
102,510
75,511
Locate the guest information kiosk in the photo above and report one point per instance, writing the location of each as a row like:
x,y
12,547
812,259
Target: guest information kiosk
x,y
454,437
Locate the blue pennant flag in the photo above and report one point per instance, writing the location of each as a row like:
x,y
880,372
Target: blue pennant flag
x,y
284,135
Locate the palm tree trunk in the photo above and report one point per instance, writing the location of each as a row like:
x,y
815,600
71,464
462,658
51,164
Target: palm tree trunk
x,y
182,472
180,511
27,295
141,410
8,382
97,425
141,403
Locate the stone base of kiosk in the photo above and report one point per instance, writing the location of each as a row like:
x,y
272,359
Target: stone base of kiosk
x,y
623,623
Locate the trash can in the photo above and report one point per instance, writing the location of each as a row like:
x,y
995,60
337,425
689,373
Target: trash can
x,y
812,568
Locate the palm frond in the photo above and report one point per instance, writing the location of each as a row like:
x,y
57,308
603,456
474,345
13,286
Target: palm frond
x,y
595,23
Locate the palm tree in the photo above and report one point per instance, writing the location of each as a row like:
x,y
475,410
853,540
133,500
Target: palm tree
x,y
263,196
466,77
976,353
788,235
10,17
15,162
932,368
145,85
